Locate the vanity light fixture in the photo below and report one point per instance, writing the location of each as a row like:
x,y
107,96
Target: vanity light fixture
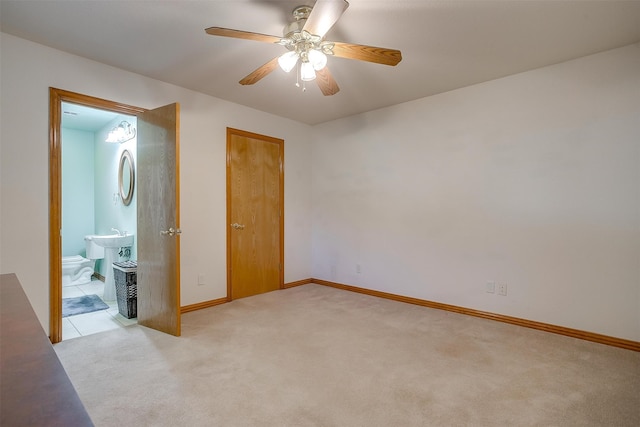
x,y
121,133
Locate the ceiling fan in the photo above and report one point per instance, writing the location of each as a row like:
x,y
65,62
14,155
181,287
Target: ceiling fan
x,y
304,40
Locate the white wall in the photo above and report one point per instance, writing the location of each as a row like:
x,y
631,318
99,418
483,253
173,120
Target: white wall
x,y
91,203
531,180
28,70
78,218
110,211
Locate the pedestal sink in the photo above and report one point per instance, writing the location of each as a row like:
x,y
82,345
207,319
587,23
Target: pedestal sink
x,y
111,243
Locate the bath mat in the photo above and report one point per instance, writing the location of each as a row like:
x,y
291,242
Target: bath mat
x,y
81,305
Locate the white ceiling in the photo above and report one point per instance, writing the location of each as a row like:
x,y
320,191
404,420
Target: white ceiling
x,y
445,44
88,119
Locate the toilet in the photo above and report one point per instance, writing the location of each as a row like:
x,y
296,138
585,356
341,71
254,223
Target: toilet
x,y
76,269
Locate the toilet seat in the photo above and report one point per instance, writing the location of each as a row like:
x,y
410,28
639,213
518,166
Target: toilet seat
x,y
73,258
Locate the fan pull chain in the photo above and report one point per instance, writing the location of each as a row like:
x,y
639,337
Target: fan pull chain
x,y
298,75
304,86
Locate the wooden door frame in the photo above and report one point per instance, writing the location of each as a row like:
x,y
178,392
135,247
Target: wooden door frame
x,y
56,98
280,142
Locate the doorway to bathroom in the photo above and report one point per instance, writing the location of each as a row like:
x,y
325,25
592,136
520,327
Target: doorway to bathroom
x,y
96,145
161,307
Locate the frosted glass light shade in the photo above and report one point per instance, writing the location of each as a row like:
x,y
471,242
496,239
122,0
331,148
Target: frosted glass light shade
x,y
317,59
307,73
288,60
116,134
121,133
111,137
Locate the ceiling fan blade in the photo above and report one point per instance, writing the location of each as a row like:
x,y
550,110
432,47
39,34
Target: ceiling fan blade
x,y
326,83
260,72
324,14
379,55
238,34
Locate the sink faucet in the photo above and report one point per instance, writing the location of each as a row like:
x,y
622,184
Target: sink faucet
x,y
117,231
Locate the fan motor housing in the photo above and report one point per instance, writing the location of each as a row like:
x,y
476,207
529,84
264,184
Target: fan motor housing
x,y
293,27
300,13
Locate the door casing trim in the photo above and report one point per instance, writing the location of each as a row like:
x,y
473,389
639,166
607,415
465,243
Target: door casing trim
x,y
56,98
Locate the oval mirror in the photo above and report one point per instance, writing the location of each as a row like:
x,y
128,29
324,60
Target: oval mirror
x,y
126,177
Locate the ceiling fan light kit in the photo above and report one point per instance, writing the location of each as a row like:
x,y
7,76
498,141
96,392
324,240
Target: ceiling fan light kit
x,y
304,40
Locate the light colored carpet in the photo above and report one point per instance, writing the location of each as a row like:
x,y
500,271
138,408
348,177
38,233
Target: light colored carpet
x,y
318,356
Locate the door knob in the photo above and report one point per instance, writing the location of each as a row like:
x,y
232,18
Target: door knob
x,y
237,226
171,232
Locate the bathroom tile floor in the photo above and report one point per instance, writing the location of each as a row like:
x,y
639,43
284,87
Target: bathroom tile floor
x,y
91,323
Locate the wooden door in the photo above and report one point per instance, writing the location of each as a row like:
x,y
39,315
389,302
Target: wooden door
x,y
255,194
159,219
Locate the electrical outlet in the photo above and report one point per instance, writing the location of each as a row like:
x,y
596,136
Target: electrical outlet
x,y
200,279
491,287
358,269
502,289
